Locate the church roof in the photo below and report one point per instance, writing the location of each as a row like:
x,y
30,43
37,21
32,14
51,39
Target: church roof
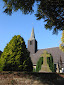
x,y
55,52
32,35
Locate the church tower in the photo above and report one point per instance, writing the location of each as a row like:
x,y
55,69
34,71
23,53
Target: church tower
x,y
32,43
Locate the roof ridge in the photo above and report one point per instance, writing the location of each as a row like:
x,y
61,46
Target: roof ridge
x,y
48,48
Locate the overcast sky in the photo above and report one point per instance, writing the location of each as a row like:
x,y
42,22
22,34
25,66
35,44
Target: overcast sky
x,y
20,24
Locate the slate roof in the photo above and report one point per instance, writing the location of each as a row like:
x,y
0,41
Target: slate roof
x,y
55,52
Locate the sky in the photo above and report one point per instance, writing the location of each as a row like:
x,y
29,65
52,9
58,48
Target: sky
x,y
20,24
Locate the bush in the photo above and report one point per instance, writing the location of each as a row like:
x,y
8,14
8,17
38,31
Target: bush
x,y
39,63
15,56
50,63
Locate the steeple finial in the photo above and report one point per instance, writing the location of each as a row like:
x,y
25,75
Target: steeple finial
x,y
32,35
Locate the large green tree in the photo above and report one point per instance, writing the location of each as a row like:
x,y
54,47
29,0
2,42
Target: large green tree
x,y
15,56
61,46
50,10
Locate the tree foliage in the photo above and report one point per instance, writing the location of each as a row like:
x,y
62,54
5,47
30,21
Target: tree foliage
x,y
61,46
39,63
15,56
50,10
0,53
26,6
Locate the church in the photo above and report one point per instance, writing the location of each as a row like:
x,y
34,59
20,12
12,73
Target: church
x,y
35,53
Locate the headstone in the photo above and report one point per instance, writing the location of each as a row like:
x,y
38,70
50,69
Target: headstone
x,y
45,66
62,70
57,68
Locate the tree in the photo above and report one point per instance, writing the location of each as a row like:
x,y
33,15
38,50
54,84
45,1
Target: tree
x,y
50,10
15,56
61,46
0,53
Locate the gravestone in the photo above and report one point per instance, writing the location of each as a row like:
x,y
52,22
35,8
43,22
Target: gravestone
x,y
57,66
45,66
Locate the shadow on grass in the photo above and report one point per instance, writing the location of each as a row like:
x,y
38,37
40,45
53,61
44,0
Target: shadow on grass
x,y
44,78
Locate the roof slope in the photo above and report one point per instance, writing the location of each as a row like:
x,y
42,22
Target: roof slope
x,y
55,52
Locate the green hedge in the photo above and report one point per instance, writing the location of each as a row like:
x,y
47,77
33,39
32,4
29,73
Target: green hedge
x,y
39,63
50,63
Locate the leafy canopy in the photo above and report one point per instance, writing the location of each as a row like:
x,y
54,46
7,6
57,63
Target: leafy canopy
x,y
15,56
61,46
0,53
50,10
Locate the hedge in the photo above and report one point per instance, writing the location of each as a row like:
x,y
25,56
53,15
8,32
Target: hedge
x,y
50,63
39,63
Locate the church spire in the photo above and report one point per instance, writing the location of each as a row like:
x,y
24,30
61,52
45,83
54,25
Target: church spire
x,y
32,35
32,43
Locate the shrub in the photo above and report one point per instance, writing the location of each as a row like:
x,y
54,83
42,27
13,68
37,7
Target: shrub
x,y
50,63
39,63
15,56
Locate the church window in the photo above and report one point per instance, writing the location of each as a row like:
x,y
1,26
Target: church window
x,y
30,42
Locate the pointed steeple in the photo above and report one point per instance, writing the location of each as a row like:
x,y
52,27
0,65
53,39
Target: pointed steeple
x,y
32,43
32,35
